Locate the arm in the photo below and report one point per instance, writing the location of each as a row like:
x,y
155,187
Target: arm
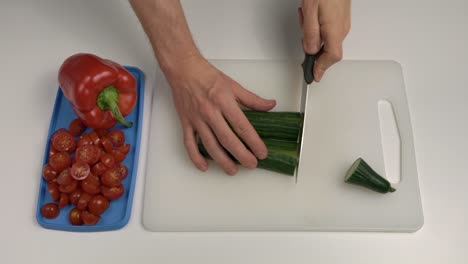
x,y
205,98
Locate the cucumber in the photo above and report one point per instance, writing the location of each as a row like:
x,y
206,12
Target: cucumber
x,y
360,173
276,125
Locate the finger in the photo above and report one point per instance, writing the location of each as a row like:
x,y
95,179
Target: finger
x,y
245,130
311,40
214,149
230,141
301,17
332,53
251,100
191,146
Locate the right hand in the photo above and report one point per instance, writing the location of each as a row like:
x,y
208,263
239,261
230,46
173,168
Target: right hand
x,y
206,100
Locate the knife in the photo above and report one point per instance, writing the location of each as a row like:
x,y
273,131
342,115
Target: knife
x,y
307,67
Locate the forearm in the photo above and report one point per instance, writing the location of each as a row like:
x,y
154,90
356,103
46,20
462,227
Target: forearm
x,y
164,23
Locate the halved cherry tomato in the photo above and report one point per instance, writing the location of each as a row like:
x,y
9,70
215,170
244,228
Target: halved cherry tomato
x,y
52,150
98,205
124,149
75,216
76,127
65,177
84,140
75,196
108,160
98,169
89,219
63,200
48,173
112,193
117,137
53,189
63,141
118,156
50,210
80,170
70,187
123,170
87,154
101,132
95,138
107,144
84,200
111,177
60,161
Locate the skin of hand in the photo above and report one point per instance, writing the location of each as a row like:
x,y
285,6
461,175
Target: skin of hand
x,y
324,23
207,101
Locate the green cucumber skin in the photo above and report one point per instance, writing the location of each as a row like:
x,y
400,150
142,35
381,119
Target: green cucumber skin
x,y
276,125
367,177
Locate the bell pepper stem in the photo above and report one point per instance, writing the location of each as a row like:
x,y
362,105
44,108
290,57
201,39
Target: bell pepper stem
x,y
108,99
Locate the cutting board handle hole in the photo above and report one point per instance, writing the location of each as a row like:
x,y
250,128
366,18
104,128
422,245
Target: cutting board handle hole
x,y
391,143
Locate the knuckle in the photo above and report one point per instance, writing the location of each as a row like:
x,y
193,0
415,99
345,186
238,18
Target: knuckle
x,y
336,54
242,129
229,142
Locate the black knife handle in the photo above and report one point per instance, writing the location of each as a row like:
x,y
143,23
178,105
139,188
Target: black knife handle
x,y
308,68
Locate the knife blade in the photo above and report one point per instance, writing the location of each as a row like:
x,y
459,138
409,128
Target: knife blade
x,y
307,68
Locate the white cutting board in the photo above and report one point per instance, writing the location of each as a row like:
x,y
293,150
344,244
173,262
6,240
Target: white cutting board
x,y
342,125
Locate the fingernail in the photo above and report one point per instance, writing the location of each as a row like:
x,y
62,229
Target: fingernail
x,y
232,171
262,154
203,167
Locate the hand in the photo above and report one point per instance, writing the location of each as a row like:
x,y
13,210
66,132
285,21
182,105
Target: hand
x,y
206,100
327,23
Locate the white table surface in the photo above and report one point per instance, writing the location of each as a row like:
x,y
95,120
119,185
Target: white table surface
x,y
429,38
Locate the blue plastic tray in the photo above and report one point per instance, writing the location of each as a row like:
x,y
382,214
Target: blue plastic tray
x,y
118,213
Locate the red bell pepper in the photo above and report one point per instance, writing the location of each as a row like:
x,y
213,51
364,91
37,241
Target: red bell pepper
x,y
100,91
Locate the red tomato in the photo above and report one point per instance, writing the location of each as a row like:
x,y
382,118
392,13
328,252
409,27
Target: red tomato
x,y
101,132
98,205
53,189
48,173
112,193
118,156
89,218
107,144
76,127
124,149
64,200
99,169
84,140
80,170
75,217
65,177
63,141
52,150
90,188
108,160
95,138
117,137
75,196
60,161
87,154
70,187
84,200
50,210
111,177
123,170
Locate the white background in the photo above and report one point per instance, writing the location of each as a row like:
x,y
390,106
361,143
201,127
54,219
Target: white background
x,y
429,38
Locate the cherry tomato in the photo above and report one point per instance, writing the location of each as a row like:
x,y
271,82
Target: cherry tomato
x,y
70,187
60,161
98,169
123,170
90,188
64,200
107,144
75,196
52,150
75,217
80,170
108,160
117,137
84,140
124,149
98,205
89,219
84,200
48,173
53,189
112,193
111,177
101,132
76,127
118,156
50,210
65,177
63,141
87,154
95,138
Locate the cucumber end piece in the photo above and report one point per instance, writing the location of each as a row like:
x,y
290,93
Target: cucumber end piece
x,y
352,169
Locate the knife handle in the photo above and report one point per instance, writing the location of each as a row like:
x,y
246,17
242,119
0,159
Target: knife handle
x,y
308,68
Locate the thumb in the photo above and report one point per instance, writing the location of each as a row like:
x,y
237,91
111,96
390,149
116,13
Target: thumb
x,y
311,41
251,100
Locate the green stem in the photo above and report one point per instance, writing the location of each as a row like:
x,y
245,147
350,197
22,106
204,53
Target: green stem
x,y
108,99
